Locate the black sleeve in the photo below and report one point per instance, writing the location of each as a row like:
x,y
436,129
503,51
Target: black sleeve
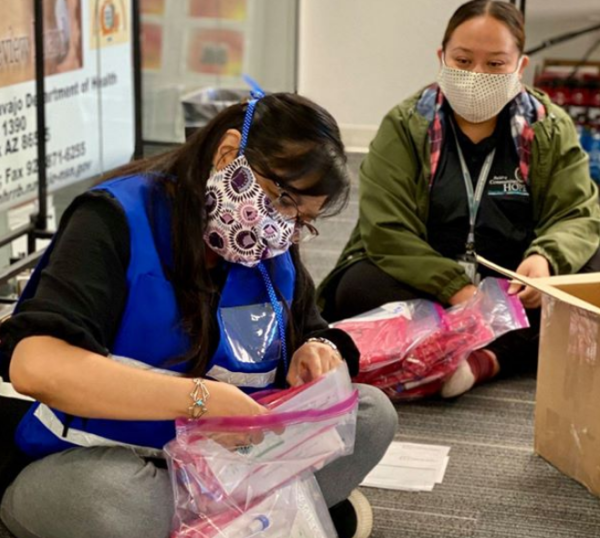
x,y
316,326
82,291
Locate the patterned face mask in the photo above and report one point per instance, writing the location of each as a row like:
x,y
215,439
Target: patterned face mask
x,y
478,97
243,226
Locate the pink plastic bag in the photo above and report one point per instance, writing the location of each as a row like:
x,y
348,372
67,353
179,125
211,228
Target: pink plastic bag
x,y
469,326
386,334
465,329
460,330
221,467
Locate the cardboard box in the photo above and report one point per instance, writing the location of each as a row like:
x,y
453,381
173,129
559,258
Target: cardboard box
x,y
567,410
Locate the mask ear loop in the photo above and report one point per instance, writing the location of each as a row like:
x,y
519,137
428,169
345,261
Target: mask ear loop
x,y
519,64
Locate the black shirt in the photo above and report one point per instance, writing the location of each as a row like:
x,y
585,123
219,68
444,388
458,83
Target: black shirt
x,y
504,225
82,291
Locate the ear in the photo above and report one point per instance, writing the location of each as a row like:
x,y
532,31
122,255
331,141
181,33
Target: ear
x,y
524,64
440,54
228,148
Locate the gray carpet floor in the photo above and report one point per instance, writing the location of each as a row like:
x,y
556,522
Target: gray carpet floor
x,y
494,487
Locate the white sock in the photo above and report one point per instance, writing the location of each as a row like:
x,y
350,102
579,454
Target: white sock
x,y
479,366
459,382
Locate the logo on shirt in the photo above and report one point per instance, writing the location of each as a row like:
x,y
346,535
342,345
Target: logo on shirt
x,y
505,186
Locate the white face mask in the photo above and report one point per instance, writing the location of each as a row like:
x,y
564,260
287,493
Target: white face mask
x,y
478,97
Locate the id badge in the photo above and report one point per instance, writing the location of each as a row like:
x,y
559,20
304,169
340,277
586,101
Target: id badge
x,y
470,266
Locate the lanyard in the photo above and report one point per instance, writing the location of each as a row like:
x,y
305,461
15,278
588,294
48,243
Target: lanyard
x,y
473,198
279,314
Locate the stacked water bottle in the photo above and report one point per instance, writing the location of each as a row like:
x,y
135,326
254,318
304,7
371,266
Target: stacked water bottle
x,y
590,141
577,89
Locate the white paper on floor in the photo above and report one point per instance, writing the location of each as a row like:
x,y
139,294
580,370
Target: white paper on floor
x,y
410,466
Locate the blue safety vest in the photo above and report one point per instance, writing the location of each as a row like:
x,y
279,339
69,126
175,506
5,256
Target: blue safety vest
x,y
150,333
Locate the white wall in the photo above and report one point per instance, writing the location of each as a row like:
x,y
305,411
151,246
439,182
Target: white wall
x,y
358,58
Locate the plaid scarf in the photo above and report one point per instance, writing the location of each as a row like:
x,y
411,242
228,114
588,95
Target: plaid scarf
x,y
525,110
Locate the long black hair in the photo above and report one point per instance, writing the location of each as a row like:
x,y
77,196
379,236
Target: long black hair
x,y
291,138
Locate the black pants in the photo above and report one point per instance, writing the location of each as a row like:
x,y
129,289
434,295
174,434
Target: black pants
x,y
364,286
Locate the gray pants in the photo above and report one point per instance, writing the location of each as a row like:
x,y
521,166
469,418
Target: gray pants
x,y
109,492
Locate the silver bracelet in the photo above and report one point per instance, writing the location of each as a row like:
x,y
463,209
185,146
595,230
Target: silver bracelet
x,y
199,396
322,340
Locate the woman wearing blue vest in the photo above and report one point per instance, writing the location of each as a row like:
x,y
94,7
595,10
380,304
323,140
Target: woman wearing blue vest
x,y
150,305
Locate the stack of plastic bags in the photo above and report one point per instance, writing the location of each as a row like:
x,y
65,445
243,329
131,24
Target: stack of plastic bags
x,y
409,348
239,477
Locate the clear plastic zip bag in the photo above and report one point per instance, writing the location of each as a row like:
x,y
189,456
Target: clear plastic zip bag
x,y
416,352
296,510
222,467
386,334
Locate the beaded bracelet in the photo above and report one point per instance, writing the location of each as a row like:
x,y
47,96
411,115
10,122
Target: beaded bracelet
x,y
199,396
322,340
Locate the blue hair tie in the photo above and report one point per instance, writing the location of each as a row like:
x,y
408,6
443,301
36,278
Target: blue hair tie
x,y
256,93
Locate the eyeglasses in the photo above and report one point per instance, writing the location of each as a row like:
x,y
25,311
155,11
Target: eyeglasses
x,y
287,206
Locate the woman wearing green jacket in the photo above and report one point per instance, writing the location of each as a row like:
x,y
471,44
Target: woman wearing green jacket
x,y
475,163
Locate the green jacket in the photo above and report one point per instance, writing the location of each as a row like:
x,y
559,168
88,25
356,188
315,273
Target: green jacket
x,y
394,202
